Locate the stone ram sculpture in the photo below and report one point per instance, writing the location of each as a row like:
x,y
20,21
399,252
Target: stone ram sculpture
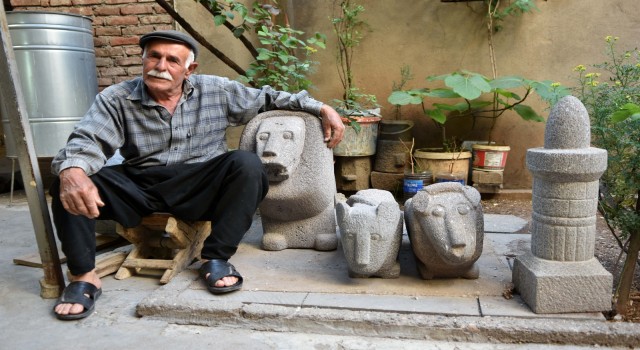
x,y
371,233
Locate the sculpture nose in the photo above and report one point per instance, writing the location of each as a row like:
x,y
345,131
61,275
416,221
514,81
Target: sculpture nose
x,y
362,245
455,231
270,148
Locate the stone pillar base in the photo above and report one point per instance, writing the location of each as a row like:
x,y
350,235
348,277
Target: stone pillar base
x,y
559,286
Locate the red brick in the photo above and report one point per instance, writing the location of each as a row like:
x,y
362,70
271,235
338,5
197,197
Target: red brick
x,y
159,9
127,61
108,31
120,21
117,2
106,11
104,62
156,19
100,41
133,51
136,9
137,30
60,3
18,3
86,2
85,11
119,41
113,71
109,52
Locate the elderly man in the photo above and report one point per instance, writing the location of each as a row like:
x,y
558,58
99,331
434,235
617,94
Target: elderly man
x,y
169,126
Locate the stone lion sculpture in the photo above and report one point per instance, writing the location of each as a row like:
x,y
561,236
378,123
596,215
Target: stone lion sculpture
x,y
371,233
298,211
446,229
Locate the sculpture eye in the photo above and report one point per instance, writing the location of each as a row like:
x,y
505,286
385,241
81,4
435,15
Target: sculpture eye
x,y
263,136
287,135
375,237
463,209
438,211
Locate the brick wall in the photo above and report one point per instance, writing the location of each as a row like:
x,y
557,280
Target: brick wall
x,y
117,27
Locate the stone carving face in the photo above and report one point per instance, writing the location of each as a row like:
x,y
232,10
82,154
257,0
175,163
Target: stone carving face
x,y
363,242
371,232
449,221
279,144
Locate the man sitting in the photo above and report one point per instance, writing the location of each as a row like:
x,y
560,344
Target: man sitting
x,y
169,126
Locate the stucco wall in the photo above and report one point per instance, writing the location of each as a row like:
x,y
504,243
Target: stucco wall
x,y
435,38
430,36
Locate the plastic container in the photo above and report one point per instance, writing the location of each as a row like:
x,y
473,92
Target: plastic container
x,y
490,157
412,183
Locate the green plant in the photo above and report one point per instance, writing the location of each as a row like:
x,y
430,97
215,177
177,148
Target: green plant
x,y
477,96
496,12
611,94
405,76
350,30
276,62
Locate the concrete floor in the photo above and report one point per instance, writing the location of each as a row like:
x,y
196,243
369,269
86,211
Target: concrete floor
x,y
294,299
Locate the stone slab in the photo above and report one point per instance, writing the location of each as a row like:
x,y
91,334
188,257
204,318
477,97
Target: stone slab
x,y
498,223
393,303
516,307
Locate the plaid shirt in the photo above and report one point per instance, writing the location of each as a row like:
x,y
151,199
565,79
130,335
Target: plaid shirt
x,y
124,117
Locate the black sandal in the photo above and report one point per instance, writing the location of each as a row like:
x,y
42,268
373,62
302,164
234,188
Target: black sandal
x,y
76,293
217,269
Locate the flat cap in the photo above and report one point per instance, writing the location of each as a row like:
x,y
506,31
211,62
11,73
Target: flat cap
x,y
172,35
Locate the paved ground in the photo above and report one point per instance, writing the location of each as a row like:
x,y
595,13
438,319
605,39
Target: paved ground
x,y
295,299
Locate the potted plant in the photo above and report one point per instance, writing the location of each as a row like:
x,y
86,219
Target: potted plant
x,y
360,111
465,94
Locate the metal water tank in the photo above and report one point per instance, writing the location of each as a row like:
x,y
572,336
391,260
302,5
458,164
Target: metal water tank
x,y
57,67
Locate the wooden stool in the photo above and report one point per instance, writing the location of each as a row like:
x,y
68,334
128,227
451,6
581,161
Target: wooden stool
x,y
162,242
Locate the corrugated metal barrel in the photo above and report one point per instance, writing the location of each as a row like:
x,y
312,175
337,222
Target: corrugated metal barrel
x,y
57,65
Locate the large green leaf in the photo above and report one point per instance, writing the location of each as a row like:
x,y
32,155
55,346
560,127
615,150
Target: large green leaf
x,y
508,94
402,98
437,115
442,93
508,82
469,86
527,113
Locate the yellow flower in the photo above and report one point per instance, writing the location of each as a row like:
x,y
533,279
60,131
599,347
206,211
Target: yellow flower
x,y
591,75
594,83
581,68
555,85
618,83
610,38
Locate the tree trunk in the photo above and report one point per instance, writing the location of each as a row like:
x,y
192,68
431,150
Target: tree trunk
x,y
628,271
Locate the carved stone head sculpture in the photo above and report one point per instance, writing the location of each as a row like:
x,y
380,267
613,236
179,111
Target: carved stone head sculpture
x,y
279,143
371,233
298,211
446,230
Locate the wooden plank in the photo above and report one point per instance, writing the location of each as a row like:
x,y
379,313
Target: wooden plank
x,y
33,259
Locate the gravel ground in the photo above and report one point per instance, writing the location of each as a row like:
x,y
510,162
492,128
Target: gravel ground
x,y
607,249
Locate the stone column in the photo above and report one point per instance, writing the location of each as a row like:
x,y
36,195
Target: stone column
x,y
560,273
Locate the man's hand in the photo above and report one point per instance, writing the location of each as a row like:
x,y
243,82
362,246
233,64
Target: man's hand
x,y
78,194
332,126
